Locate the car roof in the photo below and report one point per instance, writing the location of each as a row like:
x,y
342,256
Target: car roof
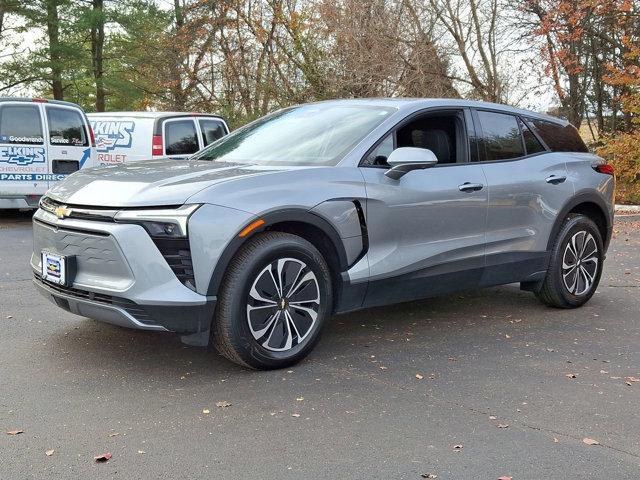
x,y
413,104
153,115
39,100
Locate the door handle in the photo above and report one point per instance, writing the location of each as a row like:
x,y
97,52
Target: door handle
x,y
470,187
554,179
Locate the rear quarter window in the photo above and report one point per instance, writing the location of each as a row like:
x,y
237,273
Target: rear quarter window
x,y
20,124
559,138
66,127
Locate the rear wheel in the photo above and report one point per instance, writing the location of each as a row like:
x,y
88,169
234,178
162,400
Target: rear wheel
x,y
275,299
575,266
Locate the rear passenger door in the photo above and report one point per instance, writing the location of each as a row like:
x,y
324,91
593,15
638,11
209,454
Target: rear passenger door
x,y
527,188
68,141
23,158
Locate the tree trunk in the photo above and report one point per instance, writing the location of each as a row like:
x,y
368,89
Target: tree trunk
x,y
97,49
178,94
54,49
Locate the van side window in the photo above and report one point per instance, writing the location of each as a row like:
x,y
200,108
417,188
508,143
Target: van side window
x,y
20,124
559,138
181,137
501,136
531,142
212,130
66,127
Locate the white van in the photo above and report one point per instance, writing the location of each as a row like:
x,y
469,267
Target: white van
x,y
41,142
132,136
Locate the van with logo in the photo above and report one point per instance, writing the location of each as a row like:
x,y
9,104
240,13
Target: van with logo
x,y
41,142
132,136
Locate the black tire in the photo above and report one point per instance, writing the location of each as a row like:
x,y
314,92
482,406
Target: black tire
x,y
559,290
238,313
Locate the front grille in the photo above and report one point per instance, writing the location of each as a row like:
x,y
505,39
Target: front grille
x,y
177,253
136,311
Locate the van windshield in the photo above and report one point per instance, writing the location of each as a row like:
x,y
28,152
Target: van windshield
x,y
318,134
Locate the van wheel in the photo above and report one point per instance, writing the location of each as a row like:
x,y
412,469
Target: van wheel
x,y
274,301
575,266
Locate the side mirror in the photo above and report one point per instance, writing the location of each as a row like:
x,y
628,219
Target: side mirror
x,y
404,159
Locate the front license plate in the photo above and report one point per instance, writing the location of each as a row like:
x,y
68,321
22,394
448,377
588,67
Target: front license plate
x,y
54,268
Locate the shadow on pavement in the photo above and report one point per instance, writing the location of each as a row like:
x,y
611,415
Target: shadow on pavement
x,y
430,323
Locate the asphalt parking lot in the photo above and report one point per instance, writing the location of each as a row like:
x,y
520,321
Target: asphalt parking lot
x,y
470,386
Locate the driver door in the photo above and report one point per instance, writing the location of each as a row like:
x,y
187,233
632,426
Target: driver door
x,y
427,229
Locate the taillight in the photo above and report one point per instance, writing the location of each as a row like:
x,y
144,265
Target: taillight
x,y
92,136
40,100
156,145
605,168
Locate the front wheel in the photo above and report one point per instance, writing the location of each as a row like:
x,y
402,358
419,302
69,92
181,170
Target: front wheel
x,y
275,299
575,266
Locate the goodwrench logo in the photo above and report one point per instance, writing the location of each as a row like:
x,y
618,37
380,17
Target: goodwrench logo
x,y
112,134
22,155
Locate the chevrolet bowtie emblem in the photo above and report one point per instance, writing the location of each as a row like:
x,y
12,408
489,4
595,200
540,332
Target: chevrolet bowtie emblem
x,y
62,211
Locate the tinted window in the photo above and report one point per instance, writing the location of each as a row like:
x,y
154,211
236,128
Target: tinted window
x,y
66,127
559,138
181,137
501,135
531,143
212,130
20,124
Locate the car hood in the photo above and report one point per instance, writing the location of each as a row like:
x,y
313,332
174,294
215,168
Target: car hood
x,y
149,183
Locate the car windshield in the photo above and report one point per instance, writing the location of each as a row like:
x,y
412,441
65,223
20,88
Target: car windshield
x,y
318,134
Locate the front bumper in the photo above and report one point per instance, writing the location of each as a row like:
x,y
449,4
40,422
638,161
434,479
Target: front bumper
x,y
121,278
125,313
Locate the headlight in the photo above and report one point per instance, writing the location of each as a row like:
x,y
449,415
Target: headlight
x,y
160,222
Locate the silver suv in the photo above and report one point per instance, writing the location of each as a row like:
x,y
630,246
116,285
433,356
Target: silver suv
x,y
254,242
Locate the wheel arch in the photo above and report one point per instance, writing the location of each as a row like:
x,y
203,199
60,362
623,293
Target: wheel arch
x,y
590,205
313,228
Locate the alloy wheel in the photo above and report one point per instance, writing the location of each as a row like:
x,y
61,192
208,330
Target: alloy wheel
x,y
580,263
283,304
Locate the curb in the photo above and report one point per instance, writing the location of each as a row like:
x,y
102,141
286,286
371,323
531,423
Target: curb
x,y
627,209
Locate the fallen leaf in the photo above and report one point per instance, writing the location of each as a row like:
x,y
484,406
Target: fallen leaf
x,y
571,375
104,457
632,379
206,411
114,434
141,452
492,417
48,453
503,425
296,415
223,404
9,317
590,441
15,432
555,440
507,336
603,371
457,448
382,367
299,399
429,475
419,376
